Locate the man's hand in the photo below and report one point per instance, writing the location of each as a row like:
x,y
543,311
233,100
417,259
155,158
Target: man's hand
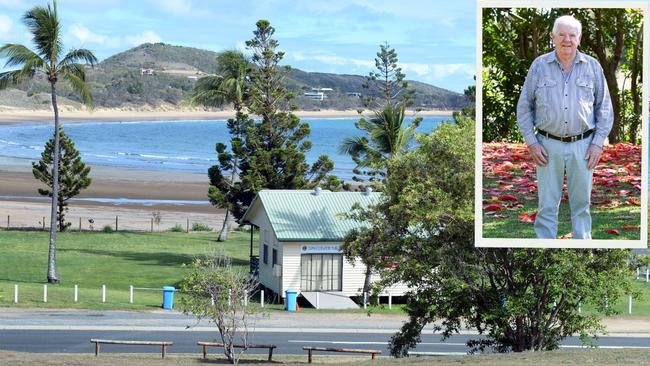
x,y
538,153
593,155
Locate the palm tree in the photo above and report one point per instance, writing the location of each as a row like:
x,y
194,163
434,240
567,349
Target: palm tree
x,y
43,24
229,86
385,136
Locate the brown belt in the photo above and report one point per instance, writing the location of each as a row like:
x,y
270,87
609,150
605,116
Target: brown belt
x,y
567,138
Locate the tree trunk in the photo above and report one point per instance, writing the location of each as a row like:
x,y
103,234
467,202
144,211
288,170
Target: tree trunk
x,y
366,281
223,235
52,275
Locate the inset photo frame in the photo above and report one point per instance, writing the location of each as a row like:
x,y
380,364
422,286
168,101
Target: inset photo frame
x,y
562,124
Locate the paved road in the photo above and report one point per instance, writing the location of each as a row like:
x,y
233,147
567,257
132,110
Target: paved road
x,y
77,341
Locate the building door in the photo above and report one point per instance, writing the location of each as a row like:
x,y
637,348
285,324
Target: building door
x,y
321,272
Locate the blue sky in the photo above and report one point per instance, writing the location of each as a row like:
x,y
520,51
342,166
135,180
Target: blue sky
x,y
435,40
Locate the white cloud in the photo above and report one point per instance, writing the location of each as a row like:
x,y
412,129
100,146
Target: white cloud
x,y
337,60
85,35
144,37
5,25
438,71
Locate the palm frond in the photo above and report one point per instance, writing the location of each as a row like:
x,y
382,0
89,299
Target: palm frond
x,y
353,145
207,92
14,77
73,69
17,54
80,86
77,55
43,24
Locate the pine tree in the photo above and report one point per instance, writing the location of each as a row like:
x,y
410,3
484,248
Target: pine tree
x,y
270,153
73,174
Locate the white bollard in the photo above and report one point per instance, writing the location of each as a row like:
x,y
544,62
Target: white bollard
x,y
638,272
212,300
44,293
647,275
262,298
103,293
365,300
130,294
16,294
629,304
579,308
76,293
390,300
246,298
229,297
318,300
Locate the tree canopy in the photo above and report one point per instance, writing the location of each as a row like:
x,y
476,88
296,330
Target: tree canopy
x,y
73,174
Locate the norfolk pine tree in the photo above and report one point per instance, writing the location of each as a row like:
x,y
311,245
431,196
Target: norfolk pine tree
x,y
269,153
43,24
73,174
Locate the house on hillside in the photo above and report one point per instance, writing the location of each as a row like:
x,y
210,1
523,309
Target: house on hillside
x,y
300,236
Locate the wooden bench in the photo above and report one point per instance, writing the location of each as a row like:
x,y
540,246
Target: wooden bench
x,y
205,346
162,344
373,352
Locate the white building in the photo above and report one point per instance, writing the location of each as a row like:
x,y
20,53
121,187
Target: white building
x,y
301,233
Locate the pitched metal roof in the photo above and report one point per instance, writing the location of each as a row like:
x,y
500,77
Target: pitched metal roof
x,y
300,215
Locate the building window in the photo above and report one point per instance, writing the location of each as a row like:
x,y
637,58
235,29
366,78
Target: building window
x,y
275,257
265,254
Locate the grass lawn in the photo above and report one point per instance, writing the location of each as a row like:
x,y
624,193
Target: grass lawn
x,y
550,358
510,194
93,259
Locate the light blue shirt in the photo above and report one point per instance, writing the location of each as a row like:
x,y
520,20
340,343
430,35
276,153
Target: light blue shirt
x,y
565,105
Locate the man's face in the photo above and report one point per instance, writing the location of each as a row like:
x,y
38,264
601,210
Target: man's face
x,y
566,41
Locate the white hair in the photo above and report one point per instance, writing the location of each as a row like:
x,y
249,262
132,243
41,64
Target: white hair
x,y
569,21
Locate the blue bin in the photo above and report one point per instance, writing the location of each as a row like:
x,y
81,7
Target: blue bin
x,y
292,299
168,297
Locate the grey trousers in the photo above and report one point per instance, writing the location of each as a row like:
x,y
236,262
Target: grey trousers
x,y
569,158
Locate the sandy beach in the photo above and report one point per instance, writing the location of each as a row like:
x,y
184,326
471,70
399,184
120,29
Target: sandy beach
x,y
8,115
20,200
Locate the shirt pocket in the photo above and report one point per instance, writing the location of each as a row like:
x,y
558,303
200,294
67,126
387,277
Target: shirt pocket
x,y
585,86
543,99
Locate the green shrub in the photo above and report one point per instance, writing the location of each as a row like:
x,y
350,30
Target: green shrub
x,y
178,228
108,229
197,226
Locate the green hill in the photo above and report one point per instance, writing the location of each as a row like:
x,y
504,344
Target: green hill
x,y
162,76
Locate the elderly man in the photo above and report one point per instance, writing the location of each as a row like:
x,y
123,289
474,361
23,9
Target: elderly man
x,y
564,114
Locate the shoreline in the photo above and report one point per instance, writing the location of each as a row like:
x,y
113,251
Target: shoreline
x,y
11,116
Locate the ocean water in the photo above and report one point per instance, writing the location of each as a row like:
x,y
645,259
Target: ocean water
x,y
187,146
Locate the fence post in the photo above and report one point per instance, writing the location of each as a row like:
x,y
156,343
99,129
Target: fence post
x,y
187,228
80,224
152,225
390,300
76,293
647,274
116,223
229,297
262,298
365,300
16,294
246,298
103,293
8,222
130,294
629,304
43,223
318,300
44,293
